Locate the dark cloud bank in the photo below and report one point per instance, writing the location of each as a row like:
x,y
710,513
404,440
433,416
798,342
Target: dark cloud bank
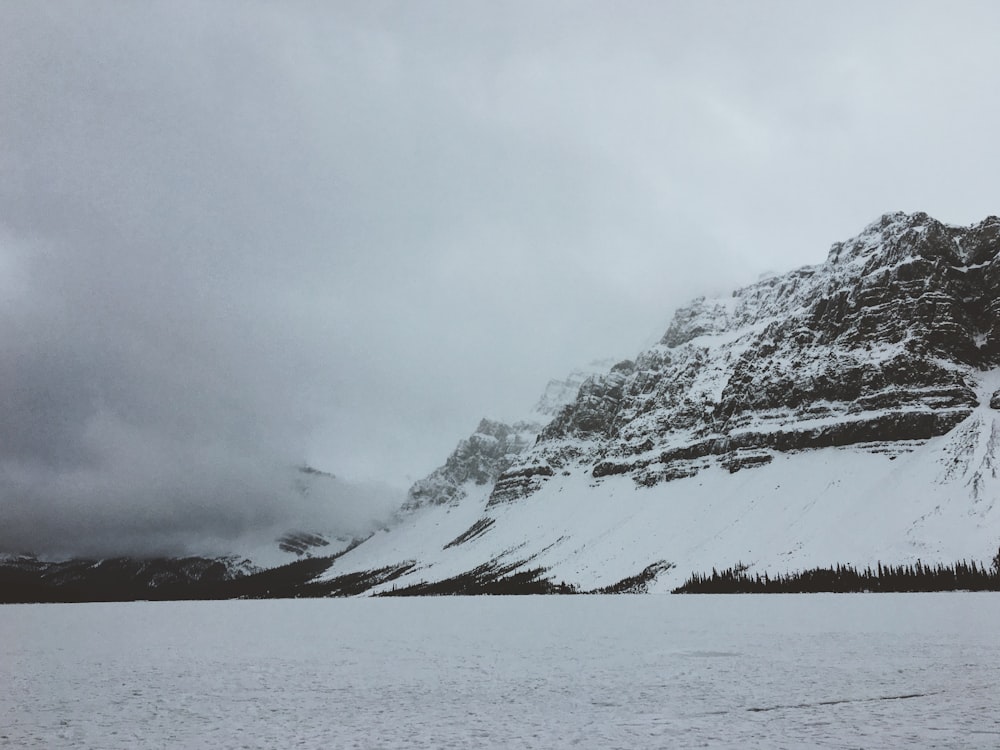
x,y
236,237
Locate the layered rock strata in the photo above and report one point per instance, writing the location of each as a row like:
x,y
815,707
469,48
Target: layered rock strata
x,y
875,346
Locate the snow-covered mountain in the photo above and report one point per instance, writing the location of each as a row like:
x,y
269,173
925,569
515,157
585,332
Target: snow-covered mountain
x,y
837,413
846,412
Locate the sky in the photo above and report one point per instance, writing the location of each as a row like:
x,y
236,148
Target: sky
x,y
236,237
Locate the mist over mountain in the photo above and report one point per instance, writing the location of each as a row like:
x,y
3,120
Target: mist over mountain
x,y
238,237
226,510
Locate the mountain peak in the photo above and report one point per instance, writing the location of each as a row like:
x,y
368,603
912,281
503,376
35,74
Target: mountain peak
x,y
872,346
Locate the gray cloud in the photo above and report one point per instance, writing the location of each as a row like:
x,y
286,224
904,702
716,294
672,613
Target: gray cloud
x,y
239,236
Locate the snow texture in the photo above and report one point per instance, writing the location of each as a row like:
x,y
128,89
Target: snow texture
x,y
824,671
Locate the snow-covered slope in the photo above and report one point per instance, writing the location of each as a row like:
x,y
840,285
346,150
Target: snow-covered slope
x,y
837,413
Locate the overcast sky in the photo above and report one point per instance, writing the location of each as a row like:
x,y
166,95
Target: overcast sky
x,y
240,236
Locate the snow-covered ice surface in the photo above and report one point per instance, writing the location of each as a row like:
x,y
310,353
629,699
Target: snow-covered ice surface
x,y
844,671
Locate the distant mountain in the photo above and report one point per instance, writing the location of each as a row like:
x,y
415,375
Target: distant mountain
x,y
25,578
337,515
247,569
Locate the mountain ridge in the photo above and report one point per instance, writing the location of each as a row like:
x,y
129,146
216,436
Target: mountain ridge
x,y
843,412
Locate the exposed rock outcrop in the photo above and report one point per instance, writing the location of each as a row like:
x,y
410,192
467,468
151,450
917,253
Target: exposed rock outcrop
x,y
484,456
478,459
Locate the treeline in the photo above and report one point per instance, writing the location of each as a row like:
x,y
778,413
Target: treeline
x,y
960,576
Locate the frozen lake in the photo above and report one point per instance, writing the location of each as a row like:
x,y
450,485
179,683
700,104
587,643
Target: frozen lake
x,y
850,671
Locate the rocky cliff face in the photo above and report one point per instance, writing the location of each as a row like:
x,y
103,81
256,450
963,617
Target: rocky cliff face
x,y
875,346
482,457
479,459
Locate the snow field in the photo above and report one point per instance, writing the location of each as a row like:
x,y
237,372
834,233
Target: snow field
x,y
833,671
